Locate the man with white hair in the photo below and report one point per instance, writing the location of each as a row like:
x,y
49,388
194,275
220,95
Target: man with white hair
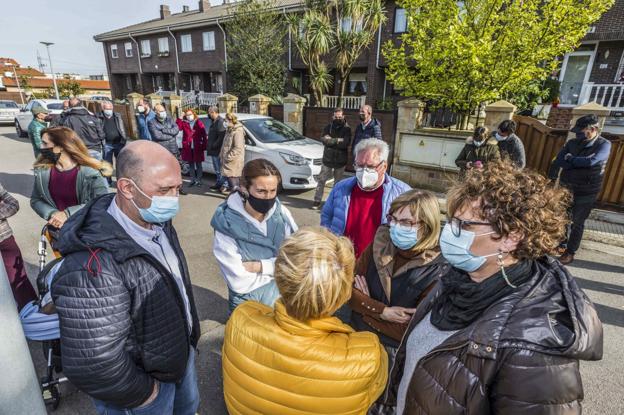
x,y
357,206
369,127
114,131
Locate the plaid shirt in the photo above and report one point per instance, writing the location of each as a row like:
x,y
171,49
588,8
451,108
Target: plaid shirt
x,y
8,207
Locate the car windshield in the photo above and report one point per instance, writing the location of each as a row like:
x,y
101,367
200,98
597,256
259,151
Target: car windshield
x,y
269,130
55,106
8,104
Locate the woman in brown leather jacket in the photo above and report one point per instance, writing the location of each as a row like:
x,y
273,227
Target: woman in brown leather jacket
x,y
397,270
505,328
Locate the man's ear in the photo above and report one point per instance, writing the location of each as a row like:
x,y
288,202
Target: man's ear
x,y
124,188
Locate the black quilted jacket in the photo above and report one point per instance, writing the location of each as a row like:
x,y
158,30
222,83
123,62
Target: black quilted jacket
x,y
121,314
520,357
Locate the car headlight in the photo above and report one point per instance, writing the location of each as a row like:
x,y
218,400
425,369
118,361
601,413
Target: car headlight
x,y
293,159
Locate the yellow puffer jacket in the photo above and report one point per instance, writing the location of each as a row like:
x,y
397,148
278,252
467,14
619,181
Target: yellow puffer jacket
x,y
274,364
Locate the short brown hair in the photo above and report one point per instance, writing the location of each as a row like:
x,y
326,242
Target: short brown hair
x,y
515,201
314,273
258,168
424,207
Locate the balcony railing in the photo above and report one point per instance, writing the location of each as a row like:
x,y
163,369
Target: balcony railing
x,y
607,95
348,102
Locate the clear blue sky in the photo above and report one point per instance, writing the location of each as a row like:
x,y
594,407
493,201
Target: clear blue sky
x,y
71,25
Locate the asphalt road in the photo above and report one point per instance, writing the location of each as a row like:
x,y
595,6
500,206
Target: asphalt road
x,y
599,270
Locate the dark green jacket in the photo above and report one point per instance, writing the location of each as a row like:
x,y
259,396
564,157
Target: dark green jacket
x,y
89,184
34,133
487,152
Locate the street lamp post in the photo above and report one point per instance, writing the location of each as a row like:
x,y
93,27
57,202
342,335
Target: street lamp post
x,y
19,88
47,45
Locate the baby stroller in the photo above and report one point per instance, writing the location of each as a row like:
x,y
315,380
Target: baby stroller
x,y
40,322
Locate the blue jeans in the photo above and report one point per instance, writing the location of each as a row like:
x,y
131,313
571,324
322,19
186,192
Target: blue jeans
x,y
111,150
173,398
267,294
96,154
216,164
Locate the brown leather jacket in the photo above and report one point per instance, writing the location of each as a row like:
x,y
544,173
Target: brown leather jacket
x,y
520,357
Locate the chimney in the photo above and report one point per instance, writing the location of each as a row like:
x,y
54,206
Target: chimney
x,y
204,5
185,9
164,11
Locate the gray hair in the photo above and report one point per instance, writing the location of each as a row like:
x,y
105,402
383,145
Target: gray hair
x,y
367,108
373,143
214,109
107,104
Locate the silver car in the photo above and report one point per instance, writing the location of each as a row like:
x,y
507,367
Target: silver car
x,y
24,117
8,111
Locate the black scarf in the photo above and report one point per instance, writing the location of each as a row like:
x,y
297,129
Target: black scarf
x,y
462,300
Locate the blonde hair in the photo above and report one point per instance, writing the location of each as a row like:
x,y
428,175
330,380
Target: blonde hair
x,y
424,207
232,117
314,273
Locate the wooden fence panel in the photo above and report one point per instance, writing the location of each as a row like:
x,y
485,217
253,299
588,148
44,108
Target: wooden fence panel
x,y
613,188
277,112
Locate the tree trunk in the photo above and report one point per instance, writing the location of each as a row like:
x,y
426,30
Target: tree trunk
x,y
343,86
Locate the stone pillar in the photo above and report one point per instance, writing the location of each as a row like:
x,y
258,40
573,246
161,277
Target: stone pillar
x,y
154,99
176,105
497,112
293,111
410,114
259,104
133,102
590,108
228,103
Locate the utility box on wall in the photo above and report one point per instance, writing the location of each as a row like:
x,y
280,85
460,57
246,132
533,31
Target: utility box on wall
x,y
426,158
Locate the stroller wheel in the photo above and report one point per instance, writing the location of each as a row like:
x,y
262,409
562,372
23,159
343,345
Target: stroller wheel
x,y
51,396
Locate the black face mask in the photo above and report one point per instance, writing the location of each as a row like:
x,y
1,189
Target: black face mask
x,y
50,155
362,117
338,121
260,205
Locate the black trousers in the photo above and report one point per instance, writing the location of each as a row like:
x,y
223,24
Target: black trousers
x,y
579,212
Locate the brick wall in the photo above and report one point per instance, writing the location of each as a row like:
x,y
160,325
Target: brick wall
x,y
606,75
425,178
559,117
610,26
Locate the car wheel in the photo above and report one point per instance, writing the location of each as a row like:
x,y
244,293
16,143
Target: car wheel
x,y
18,130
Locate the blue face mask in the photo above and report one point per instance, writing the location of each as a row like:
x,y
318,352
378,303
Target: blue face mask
x,y
162,209
456,249
403,237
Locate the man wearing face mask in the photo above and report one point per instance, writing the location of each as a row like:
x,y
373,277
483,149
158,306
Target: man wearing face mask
x,y
369,127
35,127
163,130
86,125
336,139
123,294
358,205
114,131
582,162
144,116
509,144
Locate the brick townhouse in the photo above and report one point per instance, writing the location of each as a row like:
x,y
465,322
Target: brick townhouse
x,y
185,51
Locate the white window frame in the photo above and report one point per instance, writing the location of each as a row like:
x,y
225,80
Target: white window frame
x,y
163,46
396,20
128,50
183,38
114,51
146,51
346,25
619,72
208,43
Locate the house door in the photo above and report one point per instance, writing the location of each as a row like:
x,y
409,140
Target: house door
x,y
575,72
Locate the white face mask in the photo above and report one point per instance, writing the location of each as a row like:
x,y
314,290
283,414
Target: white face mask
x,y
190,117
226,124
162,115
141,109
500,137
367,178
108,113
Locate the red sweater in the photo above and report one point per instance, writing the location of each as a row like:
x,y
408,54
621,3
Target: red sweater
x,y
364,217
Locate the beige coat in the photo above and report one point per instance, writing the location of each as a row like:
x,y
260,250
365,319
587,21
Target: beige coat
x,y
233,151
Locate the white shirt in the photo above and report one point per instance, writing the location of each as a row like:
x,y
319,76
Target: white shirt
x,y
230,259
156,243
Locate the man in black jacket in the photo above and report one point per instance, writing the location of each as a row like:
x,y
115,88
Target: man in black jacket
x,y
216,134
336,139
114,131
86,125
129,326
582,162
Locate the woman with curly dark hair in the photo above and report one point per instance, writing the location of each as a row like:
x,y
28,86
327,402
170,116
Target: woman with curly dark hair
x,y
505,328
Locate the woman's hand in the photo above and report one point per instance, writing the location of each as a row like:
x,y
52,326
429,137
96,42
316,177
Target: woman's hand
x,y
253,266
360,284
397,314
57,219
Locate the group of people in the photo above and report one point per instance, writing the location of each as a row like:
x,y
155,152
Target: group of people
x,y
475,316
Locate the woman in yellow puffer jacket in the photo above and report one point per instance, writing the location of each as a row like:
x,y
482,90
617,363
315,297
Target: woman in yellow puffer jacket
x,y
296,358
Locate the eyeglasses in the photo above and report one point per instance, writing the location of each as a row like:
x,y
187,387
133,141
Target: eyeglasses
x,y
402,222
357,166
458,224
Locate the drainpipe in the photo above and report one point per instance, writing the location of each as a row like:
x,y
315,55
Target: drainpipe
x,y
377,61
139,59
175,45
225,57
289,45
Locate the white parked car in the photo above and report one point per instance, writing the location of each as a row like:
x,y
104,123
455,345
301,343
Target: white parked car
x,y
297,158
8,111
24,117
